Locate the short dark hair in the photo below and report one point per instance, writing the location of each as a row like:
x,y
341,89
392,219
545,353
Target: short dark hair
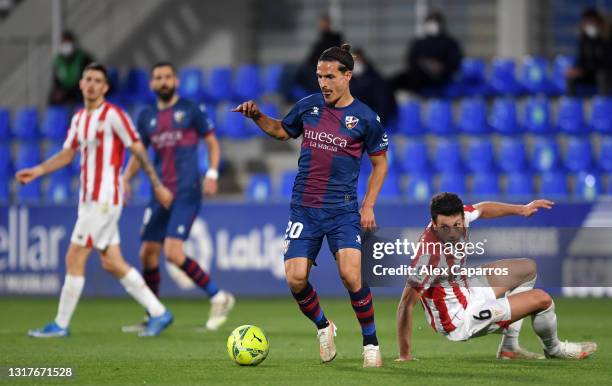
x,y
446,204
341,54
163,64
94,66
68,35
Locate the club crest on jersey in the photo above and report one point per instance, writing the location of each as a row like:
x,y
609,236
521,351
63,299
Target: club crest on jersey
x,y
351,121
178,116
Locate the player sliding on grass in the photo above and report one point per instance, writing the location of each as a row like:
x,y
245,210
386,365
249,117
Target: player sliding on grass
x,y
460,308
336,129
173,128
101,132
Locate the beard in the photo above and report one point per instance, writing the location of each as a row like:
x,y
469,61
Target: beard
x,y
165,94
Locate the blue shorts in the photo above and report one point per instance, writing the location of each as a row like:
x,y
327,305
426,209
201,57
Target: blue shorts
x,y
307,227
159,222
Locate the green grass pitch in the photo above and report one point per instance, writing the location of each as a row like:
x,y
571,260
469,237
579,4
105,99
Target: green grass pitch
x,y
101,354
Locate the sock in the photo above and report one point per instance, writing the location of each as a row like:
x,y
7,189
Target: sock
x,y
199,277
545,326
308,300
135,285
152,278
71,292
364,309
510,336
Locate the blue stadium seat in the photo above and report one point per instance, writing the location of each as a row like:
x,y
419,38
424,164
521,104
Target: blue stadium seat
x,y
545,154
113,80
562,64
391,187
534,76
419,187
554,184
485,184
26,124
519,184
58,190
28,155
231,124
202,157
511,156
588,186
571,116
440,117
5,125
246,83
191,83
259,187
479,155
473,116
409,118
605,154
136,86
503,117
30,193
447,155
5,190
211,113
578,156
273,79
75,165
219,87
473,78
53,148
6,162
453,182
601,117
287,181
56,122
415,158
536,118
503,77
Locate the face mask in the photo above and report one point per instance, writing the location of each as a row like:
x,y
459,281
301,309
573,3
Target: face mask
x,y
591,31
66,48
431,28
358,68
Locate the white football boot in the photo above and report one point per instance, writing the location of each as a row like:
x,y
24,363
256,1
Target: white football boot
x,y
221,305
571,350
371,356
327,347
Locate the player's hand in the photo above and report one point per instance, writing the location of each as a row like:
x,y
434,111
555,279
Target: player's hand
x,y
25,176
209,187
534,206
127,190
249,109
368,221
163,195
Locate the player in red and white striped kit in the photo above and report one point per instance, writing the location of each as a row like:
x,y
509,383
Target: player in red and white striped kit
x,y
460,307
101,132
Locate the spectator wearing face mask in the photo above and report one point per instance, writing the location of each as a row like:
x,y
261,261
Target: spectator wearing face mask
x,y
594,60
306,77
68,67
371,88
432,60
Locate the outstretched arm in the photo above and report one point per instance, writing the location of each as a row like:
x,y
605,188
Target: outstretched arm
x,y
404,322
270,126
57,161
489,209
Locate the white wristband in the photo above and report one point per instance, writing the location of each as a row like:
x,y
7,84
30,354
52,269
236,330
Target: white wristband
x,y
213,174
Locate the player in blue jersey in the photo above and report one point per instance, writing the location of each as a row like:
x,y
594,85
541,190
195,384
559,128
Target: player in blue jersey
x,y
336,129
173,127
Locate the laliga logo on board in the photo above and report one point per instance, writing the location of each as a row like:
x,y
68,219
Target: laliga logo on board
x,y
350,121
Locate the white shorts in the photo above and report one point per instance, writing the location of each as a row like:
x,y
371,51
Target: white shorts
x,y
97,225
485,314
